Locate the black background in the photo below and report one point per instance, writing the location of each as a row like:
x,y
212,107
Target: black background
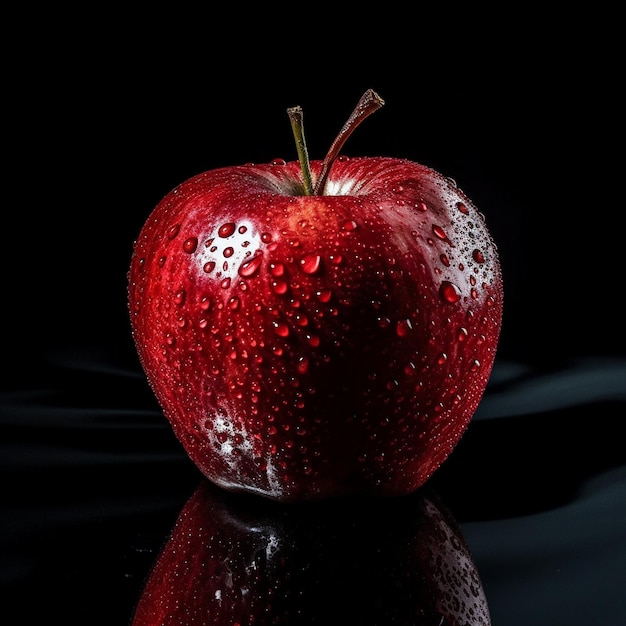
x,y
106,110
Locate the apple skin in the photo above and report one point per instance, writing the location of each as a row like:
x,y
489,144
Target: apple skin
x,y
307,347
231,559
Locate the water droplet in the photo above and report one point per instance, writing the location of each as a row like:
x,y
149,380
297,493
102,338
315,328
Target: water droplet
x,y
209,266
313,340
478,256
462,334
251,266
349,226
190,244
278,162
277,269
384,322
280,328
234,304
442,358
205,303
227,229
439,232
311,263
421,206
449,292
403,327
303,365
324,295
266,237
445,260
173,231
409,369
161,261
279,287
225,284
461,207
228,252
180,296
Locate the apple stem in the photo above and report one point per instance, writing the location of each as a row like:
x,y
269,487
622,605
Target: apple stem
x,y
370,101
296,117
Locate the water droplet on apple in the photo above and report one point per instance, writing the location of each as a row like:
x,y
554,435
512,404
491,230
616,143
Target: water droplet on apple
x,y
173,231
421,206
209,266
280,328
349,226
442,358
225,284
303,365
449,292
279,287
461,207
403,327
251,266
228,252
313,340
445,260
190,244
161,261
278,162
478,256
439,232
227,229
324,295
462,334
234,304
277,269
179,298
311,263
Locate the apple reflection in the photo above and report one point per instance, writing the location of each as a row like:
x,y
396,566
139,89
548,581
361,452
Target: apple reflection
x,y
238,560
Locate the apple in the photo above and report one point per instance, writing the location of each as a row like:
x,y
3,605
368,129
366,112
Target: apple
x,y
315,329
231,559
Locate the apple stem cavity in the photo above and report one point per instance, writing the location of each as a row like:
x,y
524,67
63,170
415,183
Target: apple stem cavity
x,y
369,102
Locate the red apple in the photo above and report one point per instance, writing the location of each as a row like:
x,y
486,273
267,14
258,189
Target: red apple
x,y
316,329
237,560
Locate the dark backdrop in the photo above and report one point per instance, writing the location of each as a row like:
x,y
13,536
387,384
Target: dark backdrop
x,y
105,116
105,111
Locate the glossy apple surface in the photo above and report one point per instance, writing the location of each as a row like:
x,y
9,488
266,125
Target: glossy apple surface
x,y
306,347
238,560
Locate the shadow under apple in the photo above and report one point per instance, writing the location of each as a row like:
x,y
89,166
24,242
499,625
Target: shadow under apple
x,y
236,559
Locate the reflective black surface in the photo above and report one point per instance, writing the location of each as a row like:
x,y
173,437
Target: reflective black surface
x,y
94,482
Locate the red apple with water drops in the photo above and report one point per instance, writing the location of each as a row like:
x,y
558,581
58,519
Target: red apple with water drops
x,y
314,329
